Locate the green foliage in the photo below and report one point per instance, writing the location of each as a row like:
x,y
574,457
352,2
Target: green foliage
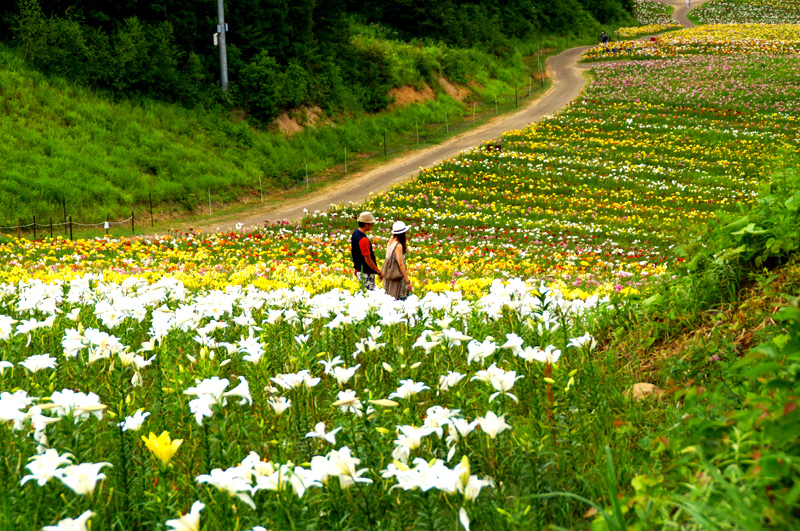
x,y
732,460
164,50
145,59
370,69
55,45
136,59
260,87
721,259
64,144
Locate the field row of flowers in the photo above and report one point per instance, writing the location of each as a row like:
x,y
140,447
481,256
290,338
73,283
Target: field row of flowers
x,y
592,200
281,409
651,12
718,39
243,381
749,12
636,31
653,16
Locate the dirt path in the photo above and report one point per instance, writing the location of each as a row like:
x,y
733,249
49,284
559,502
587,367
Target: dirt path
x,y
680,10
568,83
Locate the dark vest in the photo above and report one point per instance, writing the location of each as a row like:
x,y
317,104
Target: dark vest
x,y
358,259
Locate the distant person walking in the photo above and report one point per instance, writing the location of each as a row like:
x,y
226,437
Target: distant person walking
x,y
395,272
604,37
688,4
362,252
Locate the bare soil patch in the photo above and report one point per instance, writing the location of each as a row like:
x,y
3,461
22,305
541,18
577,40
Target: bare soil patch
x,y
294,121
407,95
455,91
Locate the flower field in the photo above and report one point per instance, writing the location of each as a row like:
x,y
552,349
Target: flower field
x,y
242,381
592,201
718,39
654,17
370,404
649,12
749,12
636,31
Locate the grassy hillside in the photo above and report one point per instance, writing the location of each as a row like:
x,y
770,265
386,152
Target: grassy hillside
x,y
67,147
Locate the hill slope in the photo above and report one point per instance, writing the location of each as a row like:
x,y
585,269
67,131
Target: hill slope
x,y
70,147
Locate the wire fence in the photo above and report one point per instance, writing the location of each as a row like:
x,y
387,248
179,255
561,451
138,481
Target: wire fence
x,y
44,229
430,129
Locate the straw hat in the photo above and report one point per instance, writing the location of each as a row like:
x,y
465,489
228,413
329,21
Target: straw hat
x,y
366,217
399,227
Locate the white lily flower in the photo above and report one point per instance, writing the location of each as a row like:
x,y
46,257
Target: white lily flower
x,y
134,422
320,433
492,425
45,466
279,404
582,341
189,521
71,524
83,478
242,391
408,388
38,362
514,343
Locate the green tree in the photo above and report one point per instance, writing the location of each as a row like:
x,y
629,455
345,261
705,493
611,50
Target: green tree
x,y
54,45
145,59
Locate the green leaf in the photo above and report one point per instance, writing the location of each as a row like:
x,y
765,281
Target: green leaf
x,y
693,265
771,367
793,203
736,225
749,229
788,313
655,300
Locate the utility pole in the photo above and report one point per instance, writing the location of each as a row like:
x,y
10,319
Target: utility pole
x,y
223,54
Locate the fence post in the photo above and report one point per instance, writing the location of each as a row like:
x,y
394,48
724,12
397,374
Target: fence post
x,y
209,201
495,103
516,97
539,67
107,223
151,208
384,143
446,122
345,160
133,229
34,228
416,127
70,228
19,228
51,227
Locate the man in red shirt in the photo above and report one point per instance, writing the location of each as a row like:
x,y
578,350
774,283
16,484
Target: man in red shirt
x,y
363,255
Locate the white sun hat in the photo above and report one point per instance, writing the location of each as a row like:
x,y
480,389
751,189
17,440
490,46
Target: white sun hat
x,y
366,217
399,227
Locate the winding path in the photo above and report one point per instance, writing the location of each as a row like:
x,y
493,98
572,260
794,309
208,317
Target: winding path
x,y
568,81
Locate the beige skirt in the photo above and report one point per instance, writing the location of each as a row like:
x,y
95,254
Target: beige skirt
x,y
396,288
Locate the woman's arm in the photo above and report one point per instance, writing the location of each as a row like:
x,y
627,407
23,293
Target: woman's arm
x,y
398,252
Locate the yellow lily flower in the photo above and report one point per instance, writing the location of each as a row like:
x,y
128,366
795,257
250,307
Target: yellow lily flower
x,y
162,446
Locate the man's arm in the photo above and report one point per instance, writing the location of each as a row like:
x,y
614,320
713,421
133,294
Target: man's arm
x,y
371,264
364,246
